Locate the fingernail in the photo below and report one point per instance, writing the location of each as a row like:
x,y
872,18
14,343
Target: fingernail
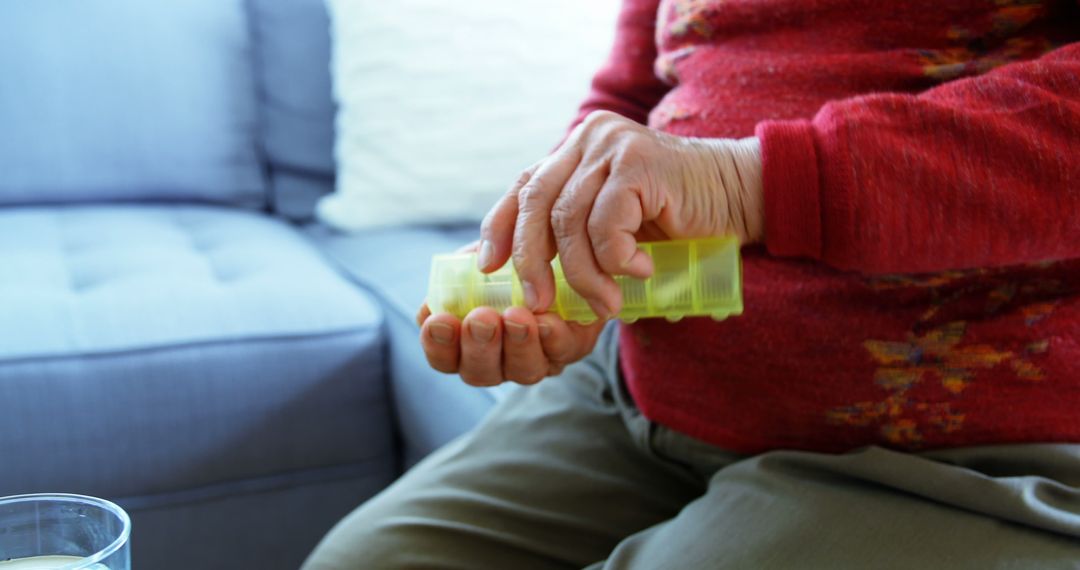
x,y
516,331
487,251
442,333
482,332
545,330
530,295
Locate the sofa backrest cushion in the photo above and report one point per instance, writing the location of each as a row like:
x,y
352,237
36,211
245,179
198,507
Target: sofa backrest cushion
x,y
292,64
443,103
105,100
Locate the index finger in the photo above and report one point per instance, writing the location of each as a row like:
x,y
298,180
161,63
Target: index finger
x,y
423,314
497,229
534,246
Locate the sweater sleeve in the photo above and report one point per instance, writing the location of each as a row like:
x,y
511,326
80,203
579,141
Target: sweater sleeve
x,y
626,84
977,172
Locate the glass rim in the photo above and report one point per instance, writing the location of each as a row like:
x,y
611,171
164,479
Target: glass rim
x,y
104,504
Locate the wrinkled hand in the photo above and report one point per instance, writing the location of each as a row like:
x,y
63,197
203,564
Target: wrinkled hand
x,y
487,348
612,183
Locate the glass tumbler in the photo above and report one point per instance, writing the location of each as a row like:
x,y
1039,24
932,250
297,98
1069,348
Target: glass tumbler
x,y
63,532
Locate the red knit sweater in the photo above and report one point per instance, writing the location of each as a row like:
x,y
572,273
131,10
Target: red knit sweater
x,y
918,285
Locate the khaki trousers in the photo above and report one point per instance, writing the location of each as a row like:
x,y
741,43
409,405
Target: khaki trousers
x,y
568,474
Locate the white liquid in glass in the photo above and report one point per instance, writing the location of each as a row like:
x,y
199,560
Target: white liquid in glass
x,y
44,563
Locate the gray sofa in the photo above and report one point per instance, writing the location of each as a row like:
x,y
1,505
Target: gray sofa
x,y
175,333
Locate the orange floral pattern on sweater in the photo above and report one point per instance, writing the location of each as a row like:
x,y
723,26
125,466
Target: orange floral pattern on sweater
x,y
935,351
996,39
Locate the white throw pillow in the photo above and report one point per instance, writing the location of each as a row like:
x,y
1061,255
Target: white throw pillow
x,y
442,103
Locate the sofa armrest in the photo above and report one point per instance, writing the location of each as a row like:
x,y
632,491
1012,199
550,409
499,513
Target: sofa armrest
x,y
431,408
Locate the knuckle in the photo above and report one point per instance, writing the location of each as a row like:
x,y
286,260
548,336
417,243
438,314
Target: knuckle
x,y
474,379
531,196
579,278
560,222
598,126
597,229
446,369
606,136
527,376
531,379
605,252
528,194
563,218
633,142
628,152
441,365
522,180
556,367
560,356
598,117
520,256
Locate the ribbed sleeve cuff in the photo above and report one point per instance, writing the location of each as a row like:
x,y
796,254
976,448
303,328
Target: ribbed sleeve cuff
x,y
792,188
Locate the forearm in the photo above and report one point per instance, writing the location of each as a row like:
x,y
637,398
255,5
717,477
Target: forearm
x,y
978,172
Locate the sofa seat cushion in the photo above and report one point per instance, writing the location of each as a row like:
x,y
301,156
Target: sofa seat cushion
x,y
109,278
157,349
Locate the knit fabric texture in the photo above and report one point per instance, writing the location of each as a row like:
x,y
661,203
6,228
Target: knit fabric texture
x,y
917,287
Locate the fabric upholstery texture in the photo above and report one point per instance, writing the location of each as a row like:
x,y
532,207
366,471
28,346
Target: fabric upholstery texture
x,y
291,42
196,355
109,278
167,420
127,100
432,408
237,532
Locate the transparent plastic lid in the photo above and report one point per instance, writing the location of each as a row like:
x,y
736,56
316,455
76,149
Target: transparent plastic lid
x,y
696,277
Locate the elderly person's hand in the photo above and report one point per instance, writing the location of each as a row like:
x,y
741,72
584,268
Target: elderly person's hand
x,y
612,183
487,348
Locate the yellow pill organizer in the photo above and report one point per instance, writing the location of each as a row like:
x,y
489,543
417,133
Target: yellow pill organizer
x,y
692,277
